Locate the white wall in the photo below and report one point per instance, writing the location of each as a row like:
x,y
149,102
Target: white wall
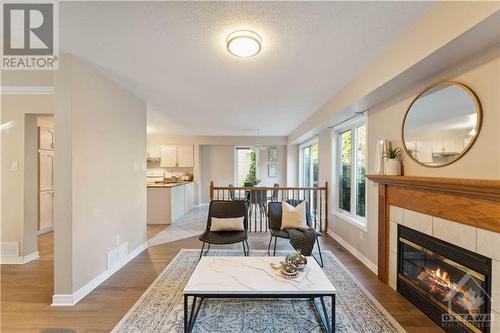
x,y
100,172
217,165
481,74
292,165
263,163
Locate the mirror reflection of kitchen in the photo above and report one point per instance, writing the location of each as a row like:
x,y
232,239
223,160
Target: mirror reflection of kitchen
x,y
441,124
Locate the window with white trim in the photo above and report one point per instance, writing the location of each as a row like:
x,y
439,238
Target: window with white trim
x,y
245,165
308,163
350,168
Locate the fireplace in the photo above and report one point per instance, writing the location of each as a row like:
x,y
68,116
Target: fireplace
x,y
450,284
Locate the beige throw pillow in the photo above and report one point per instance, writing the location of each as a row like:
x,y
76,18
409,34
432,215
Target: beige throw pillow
x,y
227,224
293,217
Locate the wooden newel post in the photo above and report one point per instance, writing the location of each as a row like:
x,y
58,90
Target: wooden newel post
x,y
326,206
211,190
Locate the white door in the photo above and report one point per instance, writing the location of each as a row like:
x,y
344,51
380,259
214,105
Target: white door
x,y
168,156
46,189
185,156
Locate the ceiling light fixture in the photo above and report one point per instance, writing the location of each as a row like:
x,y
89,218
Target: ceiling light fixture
x,y
244,43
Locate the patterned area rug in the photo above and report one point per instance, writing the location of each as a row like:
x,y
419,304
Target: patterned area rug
x,y
160,308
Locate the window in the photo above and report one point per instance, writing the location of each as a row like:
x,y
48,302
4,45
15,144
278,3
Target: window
x,y
245,166
308,170
350,169
309,164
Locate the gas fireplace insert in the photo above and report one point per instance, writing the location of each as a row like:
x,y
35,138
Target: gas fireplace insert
x,y
450,284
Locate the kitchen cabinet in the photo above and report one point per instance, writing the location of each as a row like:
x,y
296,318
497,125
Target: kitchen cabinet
x,y
168,156
153,151
172,156
178,203
168,203
45,179
185,156
188,197
46,210
46,138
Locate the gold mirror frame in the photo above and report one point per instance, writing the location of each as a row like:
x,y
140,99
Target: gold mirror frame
x,y
479,112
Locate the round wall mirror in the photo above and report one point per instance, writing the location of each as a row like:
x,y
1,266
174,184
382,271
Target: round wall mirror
x,y
441,124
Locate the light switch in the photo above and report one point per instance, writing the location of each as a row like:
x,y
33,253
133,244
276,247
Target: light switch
x,y
144,166
15,166
136,167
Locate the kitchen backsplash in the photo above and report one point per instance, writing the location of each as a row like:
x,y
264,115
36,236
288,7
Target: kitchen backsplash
x,y
169,172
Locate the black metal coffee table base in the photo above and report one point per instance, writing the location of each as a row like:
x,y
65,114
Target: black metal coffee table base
x,y
190,315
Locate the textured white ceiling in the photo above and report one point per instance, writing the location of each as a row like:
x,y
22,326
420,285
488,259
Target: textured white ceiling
x,y
173,55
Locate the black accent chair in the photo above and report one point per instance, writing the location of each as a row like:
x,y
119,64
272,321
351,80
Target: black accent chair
x,y
226,209
274,211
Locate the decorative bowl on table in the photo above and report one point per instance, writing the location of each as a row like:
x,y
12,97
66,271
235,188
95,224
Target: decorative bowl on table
x,y
299,260
289,270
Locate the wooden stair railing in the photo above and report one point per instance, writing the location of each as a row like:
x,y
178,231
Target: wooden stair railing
x,y
259,196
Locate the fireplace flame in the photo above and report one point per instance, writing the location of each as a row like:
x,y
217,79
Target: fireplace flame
x,y
439,282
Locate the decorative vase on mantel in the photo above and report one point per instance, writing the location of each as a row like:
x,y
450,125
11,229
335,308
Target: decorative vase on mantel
x,y
393,162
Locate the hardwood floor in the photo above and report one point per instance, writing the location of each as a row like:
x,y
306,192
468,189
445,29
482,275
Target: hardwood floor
x,y
26,290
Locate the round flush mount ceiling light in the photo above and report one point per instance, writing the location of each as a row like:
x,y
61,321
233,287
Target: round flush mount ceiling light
x,y
244,43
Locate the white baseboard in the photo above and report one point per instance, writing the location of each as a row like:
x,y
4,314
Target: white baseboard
x,y
72,299
8,260
354,252
27,90
44,231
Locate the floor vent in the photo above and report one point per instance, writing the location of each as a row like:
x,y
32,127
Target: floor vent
x,y
9,249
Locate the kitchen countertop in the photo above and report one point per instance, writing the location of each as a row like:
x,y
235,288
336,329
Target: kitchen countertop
x,y
168,185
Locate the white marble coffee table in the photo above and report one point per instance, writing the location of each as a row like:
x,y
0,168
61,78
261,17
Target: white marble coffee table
x,y
253,277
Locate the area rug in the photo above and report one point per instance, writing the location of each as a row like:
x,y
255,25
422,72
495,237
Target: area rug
x,y
160,308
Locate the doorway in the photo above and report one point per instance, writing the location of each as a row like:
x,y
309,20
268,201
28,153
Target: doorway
x,y
45,188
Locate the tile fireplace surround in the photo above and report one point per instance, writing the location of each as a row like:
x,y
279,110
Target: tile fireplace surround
x,y
477,240
464,212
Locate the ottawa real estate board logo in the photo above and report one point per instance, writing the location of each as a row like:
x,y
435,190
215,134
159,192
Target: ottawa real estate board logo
x,y
30,35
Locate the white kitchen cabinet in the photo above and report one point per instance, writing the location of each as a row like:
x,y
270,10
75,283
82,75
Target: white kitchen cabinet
x,y
46,210
188,197
46,167
45,179
185,156
178,202
154,151
168,156
172,156
46,138
169,203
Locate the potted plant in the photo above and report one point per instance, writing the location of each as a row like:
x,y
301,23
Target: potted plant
x,y
393,162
